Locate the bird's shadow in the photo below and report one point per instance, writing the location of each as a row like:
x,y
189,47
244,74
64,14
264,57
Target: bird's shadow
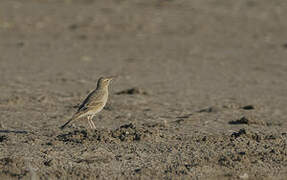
x,y
14,131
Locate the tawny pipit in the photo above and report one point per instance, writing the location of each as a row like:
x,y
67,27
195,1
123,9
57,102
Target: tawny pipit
x,y
93,103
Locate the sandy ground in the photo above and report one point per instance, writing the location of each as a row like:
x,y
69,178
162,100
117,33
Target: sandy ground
x,y
212,77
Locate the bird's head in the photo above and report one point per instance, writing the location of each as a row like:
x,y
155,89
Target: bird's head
x,y
104,81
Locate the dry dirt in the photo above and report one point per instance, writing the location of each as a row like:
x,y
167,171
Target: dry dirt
x,y
200,91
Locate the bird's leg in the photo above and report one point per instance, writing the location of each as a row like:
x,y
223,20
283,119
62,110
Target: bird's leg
x,y
92,122
89,120
94,126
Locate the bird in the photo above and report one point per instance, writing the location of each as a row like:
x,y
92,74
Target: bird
x,y
94,102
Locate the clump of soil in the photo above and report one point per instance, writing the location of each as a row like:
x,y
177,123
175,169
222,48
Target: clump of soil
x,y
248,107
82,136
13,167
133,91
247,120
127,132
242,120
3,138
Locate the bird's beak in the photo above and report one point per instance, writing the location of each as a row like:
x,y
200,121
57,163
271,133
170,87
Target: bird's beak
x,y
111,78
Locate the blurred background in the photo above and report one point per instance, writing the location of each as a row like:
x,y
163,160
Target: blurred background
x,y
190,53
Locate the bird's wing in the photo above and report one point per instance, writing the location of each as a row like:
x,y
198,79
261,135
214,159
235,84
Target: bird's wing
x,y
85,109
86,101
92,104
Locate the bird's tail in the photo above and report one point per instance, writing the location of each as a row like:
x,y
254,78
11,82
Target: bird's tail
x,y
62,127
76,116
